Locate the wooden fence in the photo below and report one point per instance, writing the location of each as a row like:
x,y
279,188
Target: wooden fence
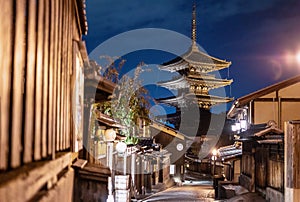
x,y
37,78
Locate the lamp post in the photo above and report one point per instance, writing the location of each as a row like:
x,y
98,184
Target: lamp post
x,y
121,148
214,158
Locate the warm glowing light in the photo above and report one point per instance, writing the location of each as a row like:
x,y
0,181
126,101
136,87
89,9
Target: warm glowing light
x,y
233,127
244,124
214,152
298,57
121,147
238,126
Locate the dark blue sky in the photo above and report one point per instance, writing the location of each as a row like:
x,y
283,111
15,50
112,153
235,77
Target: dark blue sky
x,y
259,37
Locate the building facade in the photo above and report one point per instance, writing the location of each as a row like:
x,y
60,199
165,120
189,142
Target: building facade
x,y
279,102
42,58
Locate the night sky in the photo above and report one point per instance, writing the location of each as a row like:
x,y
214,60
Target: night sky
x,y
259,37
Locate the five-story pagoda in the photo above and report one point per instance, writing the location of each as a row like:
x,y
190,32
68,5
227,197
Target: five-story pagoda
x,y
195,81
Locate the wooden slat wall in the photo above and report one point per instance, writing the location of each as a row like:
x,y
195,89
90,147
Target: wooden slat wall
x,y
247,164
261,160
36,58
275,176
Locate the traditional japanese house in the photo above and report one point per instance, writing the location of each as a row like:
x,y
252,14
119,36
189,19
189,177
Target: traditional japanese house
x,y
276,104
262,165
279,102
231,157
176,144
195,81
42,58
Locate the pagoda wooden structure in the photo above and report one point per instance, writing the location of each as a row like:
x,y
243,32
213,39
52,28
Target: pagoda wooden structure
x,y
195,79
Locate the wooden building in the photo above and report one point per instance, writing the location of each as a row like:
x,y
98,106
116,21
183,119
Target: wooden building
x,y
262,165
231,157
279,102
276,104
175,143
42,57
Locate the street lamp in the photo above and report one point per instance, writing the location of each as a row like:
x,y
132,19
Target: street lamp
x,y
214,158
121,148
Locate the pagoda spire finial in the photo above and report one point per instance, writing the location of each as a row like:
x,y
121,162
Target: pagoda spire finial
x,y
194,25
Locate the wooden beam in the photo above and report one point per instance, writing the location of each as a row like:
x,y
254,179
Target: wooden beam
x,y
283,99
292,161
69,64
30,82
51,79
58,88
167,130
55,80
5,82
39,82
29,179
79,163
63,191
45,111
63,92
17,83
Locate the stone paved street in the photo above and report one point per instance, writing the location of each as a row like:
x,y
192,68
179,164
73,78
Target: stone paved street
x,y
189,191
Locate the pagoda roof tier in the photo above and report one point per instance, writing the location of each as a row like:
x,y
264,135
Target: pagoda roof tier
x,y
173,100
195,60
211,98
203,100
208,82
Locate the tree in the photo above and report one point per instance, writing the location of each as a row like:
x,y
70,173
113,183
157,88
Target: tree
x,y
130,102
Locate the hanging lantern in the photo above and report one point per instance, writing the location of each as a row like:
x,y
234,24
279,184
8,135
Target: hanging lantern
x,y
243,125
238,126
233,128
110,135
121,147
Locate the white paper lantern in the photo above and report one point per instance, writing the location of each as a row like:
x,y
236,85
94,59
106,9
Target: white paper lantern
x,y
244,124
121,147
110,135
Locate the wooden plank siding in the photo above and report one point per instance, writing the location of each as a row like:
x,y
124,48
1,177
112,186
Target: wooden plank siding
x,y
37,61
275,177
261,166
